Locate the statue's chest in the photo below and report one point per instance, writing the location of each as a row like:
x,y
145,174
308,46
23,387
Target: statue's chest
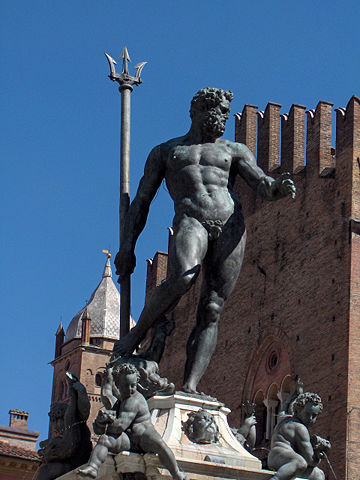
x,y
210,155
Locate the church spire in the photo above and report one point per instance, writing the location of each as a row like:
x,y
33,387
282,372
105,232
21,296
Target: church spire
x,y
60,329
107,269
85,327
60,335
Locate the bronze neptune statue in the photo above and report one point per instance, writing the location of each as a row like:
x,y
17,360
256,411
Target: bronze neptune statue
x,y
209,231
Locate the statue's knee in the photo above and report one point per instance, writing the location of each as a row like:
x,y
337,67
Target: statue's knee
x,y
184,282
318,474
212,310
301,464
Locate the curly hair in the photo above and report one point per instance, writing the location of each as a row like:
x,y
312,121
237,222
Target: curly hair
x,y
209,97
304,398
126,369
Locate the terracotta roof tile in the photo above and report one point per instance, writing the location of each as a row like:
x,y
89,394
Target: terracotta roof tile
x,y
19,452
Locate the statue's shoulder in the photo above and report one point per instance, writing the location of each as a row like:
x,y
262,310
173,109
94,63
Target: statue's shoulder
x,y
233,147
295,425
161,152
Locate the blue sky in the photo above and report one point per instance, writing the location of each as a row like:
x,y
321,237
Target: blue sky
x,y
60,137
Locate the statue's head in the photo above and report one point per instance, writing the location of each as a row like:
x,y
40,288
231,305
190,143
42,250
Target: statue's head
x,y
201,427
307,407
210,109
126,377
56,415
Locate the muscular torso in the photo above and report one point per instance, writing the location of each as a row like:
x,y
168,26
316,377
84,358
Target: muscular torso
x,y
133,416
287,432
197,177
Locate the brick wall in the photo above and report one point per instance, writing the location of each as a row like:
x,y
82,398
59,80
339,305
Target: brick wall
x,y
156,271
88,363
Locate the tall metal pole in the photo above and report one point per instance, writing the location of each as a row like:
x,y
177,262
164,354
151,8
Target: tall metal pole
x,y
126,83
125,286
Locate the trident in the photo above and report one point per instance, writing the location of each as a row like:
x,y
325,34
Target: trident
x,y
126,83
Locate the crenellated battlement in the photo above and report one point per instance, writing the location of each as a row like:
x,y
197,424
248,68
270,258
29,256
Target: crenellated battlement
x,y
285,142
293,139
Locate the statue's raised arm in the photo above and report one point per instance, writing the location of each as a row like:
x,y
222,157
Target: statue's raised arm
x,y
244,164
135,218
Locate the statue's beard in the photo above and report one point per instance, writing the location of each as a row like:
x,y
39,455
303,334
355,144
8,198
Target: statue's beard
x,y
213,127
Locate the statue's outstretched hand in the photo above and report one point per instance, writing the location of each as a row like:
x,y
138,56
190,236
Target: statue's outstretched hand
x,y
125,262
250,421
283,186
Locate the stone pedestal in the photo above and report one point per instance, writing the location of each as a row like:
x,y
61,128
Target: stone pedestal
x,y
169,415
225,459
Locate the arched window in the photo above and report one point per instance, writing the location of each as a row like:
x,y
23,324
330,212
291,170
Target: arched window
x,y
98,379
260,413
272,404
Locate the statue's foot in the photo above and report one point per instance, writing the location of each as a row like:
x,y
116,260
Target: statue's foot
x,y
124,346
187,388
180,476
88,471
192,391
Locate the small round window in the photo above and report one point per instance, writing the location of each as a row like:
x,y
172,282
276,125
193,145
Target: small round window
x,y
273,360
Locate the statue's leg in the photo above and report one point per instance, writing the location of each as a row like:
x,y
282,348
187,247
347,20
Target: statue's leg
x,y
287,464
314,473
291,470
99,454
187,252
151,442
221,268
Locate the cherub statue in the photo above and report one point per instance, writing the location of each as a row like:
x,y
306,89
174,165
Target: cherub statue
x,y
127,426
72,446
294,452
246,434
150,383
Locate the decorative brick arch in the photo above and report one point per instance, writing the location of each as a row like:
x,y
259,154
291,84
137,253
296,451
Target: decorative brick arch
x,y
271,362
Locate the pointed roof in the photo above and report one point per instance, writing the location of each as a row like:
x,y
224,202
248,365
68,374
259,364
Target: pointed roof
x,y
107,269
103,308
60,329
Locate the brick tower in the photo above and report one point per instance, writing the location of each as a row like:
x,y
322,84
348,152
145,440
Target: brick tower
x,y
296,306
88,343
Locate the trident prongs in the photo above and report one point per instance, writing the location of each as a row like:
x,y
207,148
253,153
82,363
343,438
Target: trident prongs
x,y
139,68
124,79
112,64
125,58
